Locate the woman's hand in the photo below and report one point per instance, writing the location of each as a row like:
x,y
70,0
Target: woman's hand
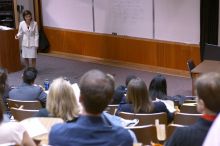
x,y
16,37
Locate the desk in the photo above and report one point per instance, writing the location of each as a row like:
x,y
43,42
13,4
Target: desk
x,y
204,67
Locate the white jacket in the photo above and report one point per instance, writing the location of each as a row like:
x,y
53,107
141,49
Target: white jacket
x,y
30,37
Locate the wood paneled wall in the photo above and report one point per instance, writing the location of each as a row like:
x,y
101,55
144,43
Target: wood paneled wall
x,y
162,54
9,51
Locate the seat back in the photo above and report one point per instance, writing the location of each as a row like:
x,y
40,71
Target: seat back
x,y
21,114
33,105
145,134
145,119
111,109
191,66
189,108
185,119
171,128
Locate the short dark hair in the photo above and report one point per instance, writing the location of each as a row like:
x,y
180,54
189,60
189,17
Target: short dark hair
x,y
96,91
29,75
129,78
25,13
158,87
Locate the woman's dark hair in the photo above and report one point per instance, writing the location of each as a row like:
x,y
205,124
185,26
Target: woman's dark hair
x,y
26,12
3,79
1,114
158,88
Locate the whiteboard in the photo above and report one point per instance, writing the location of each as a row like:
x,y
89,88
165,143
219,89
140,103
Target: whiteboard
x,y
68,14
124,17
177,20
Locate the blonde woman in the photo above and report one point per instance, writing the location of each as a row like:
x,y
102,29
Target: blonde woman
x,y
61,101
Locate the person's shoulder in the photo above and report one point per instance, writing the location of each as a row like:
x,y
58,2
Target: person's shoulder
x,y
159,104
13,126
22,22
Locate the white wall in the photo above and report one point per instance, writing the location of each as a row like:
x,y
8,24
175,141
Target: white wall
x,y
175,20
69,14
219,27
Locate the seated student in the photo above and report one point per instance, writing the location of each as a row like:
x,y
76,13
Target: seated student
x,y
13,133
138,100
91,128
4,89
61,101
28,90
158,92
208,103
120,91
212,138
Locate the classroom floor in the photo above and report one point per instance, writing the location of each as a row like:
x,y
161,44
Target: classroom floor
x,y
52,67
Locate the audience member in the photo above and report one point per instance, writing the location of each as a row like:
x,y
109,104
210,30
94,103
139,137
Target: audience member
x,y
138,100
4,89
120,91
91,128
208,103
158,92
28,90
212,138
61,101
13,133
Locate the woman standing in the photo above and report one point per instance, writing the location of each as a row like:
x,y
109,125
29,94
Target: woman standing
x,y
28,31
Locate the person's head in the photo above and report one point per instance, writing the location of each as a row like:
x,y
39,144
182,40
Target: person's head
x,y
137,95
61,100
3,79
208,92
29,75
96,90
27,16
158,88
129,78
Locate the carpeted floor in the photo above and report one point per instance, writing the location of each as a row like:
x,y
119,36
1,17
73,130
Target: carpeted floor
x,y
53,67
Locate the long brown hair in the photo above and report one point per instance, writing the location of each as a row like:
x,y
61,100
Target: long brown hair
x,y
137,95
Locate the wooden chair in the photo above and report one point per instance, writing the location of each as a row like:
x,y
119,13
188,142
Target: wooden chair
x,y
185,119
21,114
190,101
171,128
33,105
145,134
191,66
189,108
111,109
145,119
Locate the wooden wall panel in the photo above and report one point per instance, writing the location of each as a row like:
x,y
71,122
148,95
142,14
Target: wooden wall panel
x,y
157,53
9,51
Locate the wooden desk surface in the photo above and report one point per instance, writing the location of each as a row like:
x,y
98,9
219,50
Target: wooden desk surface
x,y
207,66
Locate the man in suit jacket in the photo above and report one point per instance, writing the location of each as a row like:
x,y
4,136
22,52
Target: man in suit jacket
x,y
208,103
28,90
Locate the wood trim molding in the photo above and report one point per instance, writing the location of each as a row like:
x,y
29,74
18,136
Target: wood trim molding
x,y
127,50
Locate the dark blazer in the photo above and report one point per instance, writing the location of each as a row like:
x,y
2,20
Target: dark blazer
x,y
119,95
193,135
158,107
29,93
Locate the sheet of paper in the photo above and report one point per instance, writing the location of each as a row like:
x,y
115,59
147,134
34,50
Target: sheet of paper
x,y
34,127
